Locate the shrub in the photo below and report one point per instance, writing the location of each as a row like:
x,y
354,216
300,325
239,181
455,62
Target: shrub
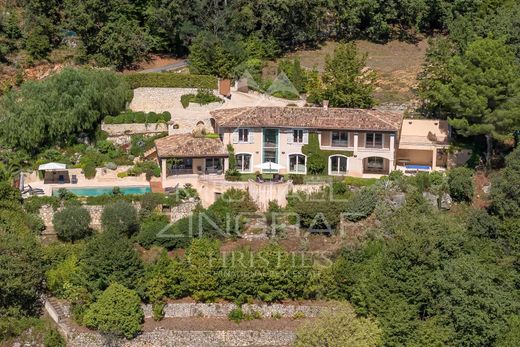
x,y
171,80
460,183
232,175
120,217
140,117
340,327
52,338
9,193
204,264
149,202
203,97
111,166
60,277
165,277
362,204
72,223
158,310
319,215
359,182
33,203
236,315
110,257
152,118
129,117
297,179
150,228
89,170
149,168
117,311
482,224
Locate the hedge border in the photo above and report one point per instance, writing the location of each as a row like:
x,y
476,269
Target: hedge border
x,y
171,80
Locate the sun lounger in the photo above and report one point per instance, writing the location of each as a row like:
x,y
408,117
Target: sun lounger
x,y
170,190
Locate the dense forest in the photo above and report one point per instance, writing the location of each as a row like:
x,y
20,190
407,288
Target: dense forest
x,y
122,32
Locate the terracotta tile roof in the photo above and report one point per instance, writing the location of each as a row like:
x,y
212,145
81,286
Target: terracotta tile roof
x,y
188,146
308,117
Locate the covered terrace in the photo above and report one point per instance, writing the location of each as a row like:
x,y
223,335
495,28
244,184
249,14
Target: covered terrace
x,y
423,145
186,154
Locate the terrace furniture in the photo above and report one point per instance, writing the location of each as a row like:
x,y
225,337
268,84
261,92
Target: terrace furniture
x,y
259,179
171,190
74,179
33,191
277,178
199,170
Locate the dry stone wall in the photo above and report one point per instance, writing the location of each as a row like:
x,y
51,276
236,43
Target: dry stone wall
x,y
169,338
177,212
47,213
221,310
134,128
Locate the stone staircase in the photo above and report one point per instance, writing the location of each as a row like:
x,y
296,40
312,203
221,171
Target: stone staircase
x,y
150,152
56,310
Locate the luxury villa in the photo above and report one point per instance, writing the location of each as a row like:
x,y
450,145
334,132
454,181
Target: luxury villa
x,y
279,140
353,142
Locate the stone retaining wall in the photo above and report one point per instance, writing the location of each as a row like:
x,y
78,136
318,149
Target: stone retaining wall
x,y
183,210
168,338
221,310
178,212
47,213
134,128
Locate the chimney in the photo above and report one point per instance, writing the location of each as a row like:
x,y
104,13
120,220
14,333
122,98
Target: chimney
x,y
224,87
325,104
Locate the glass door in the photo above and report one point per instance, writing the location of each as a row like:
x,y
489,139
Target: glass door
x,y
270,147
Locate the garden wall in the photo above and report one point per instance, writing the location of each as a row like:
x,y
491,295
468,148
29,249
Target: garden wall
x,y
177,212
134,128
169,338
221,310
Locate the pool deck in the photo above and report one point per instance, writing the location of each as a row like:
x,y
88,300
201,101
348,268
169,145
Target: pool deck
x,y
48,188
102,179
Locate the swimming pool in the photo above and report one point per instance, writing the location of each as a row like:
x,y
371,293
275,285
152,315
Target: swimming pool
x,y
417,167
96,191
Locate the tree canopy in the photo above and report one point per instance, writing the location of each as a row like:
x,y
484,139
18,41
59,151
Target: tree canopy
x,y
68,103
345,82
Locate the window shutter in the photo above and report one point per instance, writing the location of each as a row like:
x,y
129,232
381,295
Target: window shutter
x,y
305,137
250,138
235,136
290,136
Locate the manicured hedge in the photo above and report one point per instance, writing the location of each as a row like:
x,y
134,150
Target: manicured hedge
x,y
128,117
171,80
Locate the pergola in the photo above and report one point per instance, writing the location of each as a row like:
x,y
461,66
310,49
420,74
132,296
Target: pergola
x,y
54,173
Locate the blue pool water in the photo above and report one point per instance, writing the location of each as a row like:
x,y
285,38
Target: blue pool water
x,y
96,191
418,167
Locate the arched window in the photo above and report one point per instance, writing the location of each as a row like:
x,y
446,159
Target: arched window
x,y
243,162
297,164
375,163
338,165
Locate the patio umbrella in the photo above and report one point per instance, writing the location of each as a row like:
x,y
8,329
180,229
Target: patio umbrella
x,y
52,167
269,166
